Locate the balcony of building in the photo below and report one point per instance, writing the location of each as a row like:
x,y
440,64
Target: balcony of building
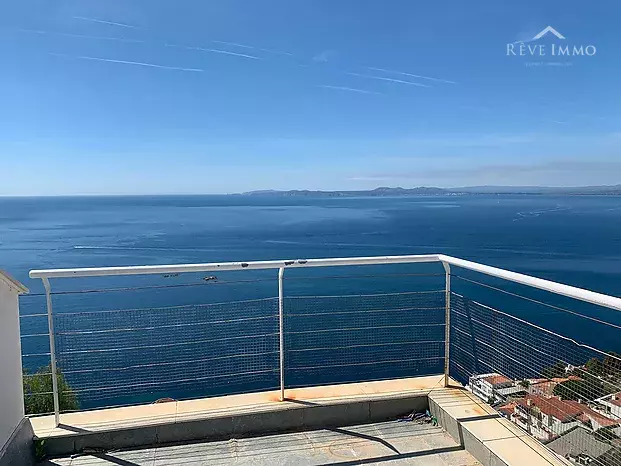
x,y
344,360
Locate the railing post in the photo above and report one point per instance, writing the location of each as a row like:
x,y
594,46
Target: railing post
x,y
447,322
281,320
50,324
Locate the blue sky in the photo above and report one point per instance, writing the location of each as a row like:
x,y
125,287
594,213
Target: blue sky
x,y
202,96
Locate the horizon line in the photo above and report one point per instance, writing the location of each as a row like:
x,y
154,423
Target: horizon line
x,y
454,188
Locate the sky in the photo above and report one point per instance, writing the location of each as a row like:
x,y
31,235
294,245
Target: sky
x,y
215,96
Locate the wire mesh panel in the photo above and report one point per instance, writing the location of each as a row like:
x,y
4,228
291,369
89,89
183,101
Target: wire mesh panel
x,y
354,338
561,391
132,340
36,356
485,340
127,356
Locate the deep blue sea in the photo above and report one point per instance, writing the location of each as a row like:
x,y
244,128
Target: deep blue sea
x,y
574,240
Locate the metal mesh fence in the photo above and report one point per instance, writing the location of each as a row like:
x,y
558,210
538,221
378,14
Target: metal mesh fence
x,y
124,343
36,357
559,390
354,338
526,357
129,356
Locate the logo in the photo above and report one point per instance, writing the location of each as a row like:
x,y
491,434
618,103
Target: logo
x,y
546,44
551,30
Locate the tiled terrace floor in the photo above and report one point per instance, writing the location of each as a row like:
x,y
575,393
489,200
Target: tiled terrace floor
x,y
383,443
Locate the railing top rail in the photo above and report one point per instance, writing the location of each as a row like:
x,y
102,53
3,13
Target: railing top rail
x,y
226,266
547,285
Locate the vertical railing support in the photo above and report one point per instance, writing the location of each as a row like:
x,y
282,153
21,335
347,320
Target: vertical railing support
x,y
281,320
447,322
50,324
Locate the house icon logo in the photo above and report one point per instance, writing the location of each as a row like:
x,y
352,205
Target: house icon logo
x,y
550,30
546,52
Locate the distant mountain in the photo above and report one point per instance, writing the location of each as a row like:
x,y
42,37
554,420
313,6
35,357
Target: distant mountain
x,y
432,191
384,191
381,191
574,190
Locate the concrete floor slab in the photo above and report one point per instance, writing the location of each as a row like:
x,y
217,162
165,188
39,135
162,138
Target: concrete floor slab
x,y
382,443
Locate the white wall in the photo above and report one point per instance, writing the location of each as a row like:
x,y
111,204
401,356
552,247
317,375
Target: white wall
x,y
11,390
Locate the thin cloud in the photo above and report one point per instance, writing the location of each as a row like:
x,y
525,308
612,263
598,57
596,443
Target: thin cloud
x,y
251,47
419,76
386,79
134,41
348,89
324,56
81,36
226,52
223,52
234,44
126,62
101,21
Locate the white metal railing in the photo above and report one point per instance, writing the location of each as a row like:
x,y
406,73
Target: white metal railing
x,y
447,262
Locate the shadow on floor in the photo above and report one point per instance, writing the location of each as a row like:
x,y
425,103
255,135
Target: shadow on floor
x,y
366,437
401,456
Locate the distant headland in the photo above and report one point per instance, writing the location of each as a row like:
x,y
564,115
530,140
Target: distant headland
x,y
612,190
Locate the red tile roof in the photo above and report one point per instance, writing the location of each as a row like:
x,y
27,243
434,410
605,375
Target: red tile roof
x,y
507,408
536,381
566,410
589,414
497,379
553,407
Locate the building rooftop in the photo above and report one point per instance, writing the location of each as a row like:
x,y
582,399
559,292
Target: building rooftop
x,y
589,414
507,409
496,379
579,441
562,410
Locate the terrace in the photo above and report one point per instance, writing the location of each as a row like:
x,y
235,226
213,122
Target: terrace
x,y
315,361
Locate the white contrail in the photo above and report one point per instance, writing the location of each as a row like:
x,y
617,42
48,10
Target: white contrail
x,y
112,23
234,44
403,73
244,46
278,52
348,89
81,36
224,52
135,41
387,79
125,62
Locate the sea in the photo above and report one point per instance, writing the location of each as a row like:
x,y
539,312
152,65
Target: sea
x,y
123,340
